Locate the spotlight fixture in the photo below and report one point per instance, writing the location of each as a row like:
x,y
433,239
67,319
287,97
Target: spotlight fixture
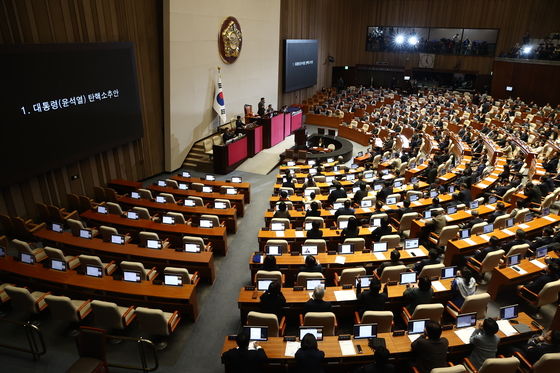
x,y
413,40
399,39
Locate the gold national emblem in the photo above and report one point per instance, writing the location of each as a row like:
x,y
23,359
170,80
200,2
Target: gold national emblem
x,y
231,40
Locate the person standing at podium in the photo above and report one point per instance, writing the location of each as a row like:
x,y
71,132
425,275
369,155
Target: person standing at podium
x,y
262,107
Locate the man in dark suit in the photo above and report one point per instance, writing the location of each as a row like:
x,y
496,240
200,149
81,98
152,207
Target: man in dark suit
x,y
547,343
386,191
475,220
372,299
500,210
432,259
519,240
345,210
243,360
533,193
546,239
430,349
551,274
360,194
316,303
431,173
262,107
465,194
337,193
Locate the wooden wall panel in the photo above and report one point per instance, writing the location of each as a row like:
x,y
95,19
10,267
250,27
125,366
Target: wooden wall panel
x,y
86,21
341,25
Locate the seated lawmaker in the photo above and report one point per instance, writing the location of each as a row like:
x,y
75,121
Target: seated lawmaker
x,y
372,299
433,258
282,211
309,359
430,349
272,300
493,245
345,210
360,193
395,261
311,265
316,303
380,363
314,210
548,342
423,294
339,192
382,230
463,286
552,273
484,341
352,230
243,360
315,232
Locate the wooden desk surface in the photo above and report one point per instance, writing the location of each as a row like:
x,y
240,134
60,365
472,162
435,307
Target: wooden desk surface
x,y
420,203
462,246
228,216
243,187
507,277
174,232
275,347
135,293
202,262
235,199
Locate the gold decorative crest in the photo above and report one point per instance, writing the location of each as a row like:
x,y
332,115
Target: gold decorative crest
x,y
230,40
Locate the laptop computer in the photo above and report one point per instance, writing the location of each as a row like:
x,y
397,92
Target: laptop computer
x,y
510,222
541,252
413,197
131,276
161,183
207,189
317,331
220,205
118,239
102,210
277,226
236,179
488,228
256,333
451,210
464,233
166,219
189,203
273,250
407,278
312,283
448,272
364,331
86,233
192,247
94,271
58,265
172,279
343,224
153,244
513,260
56,227
345,248
473,204
209,177
411,243
135,195
368,175
433,193
350,177
397,184
365,203
133,215
160,199
364,281
263,284
427,214
376,222
186,174
466,320
379,247
377,187
231,191
391,200
206,223
509,312
492,200
417,326
309,250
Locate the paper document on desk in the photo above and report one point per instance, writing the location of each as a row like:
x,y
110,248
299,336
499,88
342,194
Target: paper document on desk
x,y
490,207
371,229
464,334
485,237
538,263
340,259
506,328
491,179
279,233
379,256
549,218
524,226
300,234
291,348
519,270
332,212
414,337
469,241
366,209
414,252
347,348
252,346
508,232
448,218
438,286
345,295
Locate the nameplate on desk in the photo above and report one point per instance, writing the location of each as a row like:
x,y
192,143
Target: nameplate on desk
x,y
538,263
438,286
469,241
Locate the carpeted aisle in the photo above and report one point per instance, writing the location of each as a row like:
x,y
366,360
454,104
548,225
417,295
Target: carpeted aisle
x,y
267,159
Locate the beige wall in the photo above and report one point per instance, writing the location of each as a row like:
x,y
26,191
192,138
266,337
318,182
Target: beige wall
x,y
191,56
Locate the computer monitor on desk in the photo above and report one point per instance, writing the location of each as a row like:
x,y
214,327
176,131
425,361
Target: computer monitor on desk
x,y
263,284
277,226
192,248
132,215
56,227
131,276
206,223
473,204
172,279
364,281
236,179
94,271
417,326
256,333
160,199
309,250
273,250
312,283
513,260
86,233
510,222
365,203
166,219
379,247
102,210
135,195
343,224
317,331
189,203
413,197
464,233
488,228
408,278
345,248
118,239
154,244
210,178
466,320
541,252
448,272
364,331
220,205
509,312
411,243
